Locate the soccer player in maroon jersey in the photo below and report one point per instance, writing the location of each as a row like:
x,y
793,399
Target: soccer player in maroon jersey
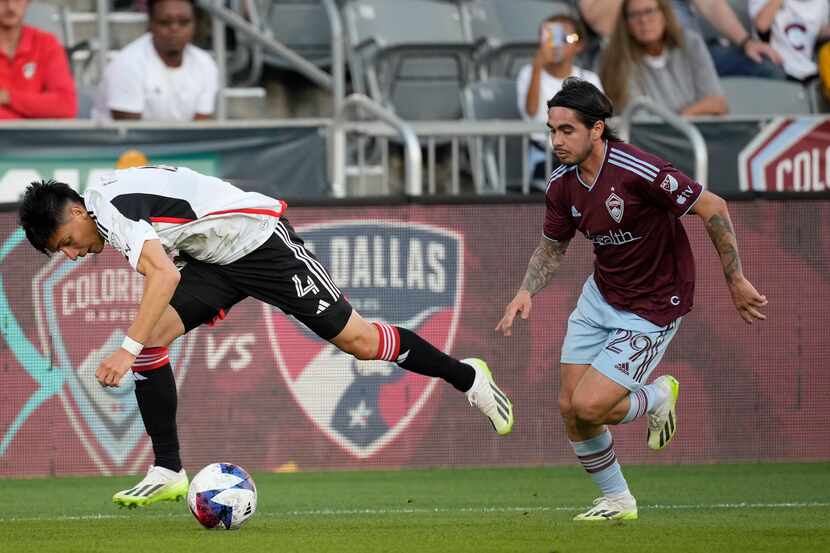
x,y
628,203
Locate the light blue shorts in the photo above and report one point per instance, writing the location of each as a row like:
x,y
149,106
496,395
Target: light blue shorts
x,y
619,344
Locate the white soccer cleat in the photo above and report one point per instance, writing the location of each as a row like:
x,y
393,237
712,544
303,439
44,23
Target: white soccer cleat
x,y
621,507
662,424
160,484
490,400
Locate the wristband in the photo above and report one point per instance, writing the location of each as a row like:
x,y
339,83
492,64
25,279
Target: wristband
x,y
133,347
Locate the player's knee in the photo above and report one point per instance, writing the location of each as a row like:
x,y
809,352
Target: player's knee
x,y
361,346
590,411
566,409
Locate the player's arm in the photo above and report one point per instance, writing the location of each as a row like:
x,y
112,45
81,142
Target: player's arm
x,y
543,264
714,213
160,280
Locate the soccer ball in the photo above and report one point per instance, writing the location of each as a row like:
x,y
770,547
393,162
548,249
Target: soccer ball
x,y
223,496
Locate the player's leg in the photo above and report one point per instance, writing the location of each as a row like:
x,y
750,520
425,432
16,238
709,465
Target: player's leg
x,y
283,273
381,341
628,359
591,442
155,384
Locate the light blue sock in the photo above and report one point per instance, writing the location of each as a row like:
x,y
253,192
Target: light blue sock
x,y
598,458
643,401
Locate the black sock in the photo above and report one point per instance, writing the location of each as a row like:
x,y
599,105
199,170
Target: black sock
x,y
155,391
423,358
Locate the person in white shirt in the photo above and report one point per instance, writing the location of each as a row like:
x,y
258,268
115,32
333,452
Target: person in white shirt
x,y
793,27
161,76
560,41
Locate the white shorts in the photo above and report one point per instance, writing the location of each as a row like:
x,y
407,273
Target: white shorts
x,y
621,345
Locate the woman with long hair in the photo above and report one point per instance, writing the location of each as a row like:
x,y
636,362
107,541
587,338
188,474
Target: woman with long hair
x,y
649,54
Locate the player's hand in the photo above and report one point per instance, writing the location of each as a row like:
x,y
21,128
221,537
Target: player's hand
x,y
747,300
758,50
113,368
520,305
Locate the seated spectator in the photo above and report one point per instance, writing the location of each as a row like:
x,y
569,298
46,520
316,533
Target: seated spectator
x,y
793,28
35,80
649,55
560,40
161,76
735,53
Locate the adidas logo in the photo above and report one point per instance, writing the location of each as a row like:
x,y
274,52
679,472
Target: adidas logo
x,y
322,306
575,212
622,367
402,357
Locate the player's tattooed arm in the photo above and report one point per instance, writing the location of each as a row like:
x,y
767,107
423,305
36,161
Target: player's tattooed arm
x,y
544,262
723,237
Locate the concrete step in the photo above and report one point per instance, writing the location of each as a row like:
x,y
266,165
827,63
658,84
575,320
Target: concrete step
x,y
124,27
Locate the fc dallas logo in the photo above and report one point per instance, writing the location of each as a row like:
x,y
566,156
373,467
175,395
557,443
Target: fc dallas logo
x,y
404,274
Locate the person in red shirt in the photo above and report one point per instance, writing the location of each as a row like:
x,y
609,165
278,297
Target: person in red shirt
x,y
628,203
35,81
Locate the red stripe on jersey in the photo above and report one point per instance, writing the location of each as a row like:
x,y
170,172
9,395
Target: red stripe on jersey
x,y
174,220
255,211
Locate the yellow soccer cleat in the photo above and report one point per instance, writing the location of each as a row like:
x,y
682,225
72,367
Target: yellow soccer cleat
x,y
662,424
610,508
489,398
160,484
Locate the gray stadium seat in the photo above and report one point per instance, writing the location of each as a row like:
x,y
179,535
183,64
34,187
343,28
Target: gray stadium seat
x,y
410,55
495,99
756,96
303,26
49,18
508,32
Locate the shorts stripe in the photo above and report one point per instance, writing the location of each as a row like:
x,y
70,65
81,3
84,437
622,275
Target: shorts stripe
x,y
313,265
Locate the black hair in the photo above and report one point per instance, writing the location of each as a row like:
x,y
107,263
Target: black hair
x,y
589,103
43,210
151,5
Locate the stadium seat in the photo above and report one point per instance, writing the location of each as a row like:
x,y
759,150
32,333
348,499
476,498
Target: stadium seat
x,y
410,55
756,96
49,18
507,33
495,99
303,26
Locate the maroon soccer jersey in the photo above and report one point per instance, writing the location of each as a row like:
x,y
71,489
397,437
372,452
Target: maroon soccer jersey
x,y
643,260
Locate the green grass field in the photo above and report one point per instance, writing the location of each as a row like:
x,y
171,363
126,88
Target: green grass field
x,y
747,508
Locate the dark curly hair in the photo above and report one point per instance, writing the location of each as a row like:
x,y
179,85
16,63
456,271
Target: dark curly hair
x,y
43,210
589,103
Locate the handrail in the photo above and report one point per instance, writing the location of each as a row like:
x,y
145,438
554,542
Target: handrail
x,y
643,103
314,73
412,149
103,25
338,71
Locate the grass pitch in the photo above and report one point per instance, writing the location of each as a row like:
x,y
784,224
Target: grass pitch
x,y
690,508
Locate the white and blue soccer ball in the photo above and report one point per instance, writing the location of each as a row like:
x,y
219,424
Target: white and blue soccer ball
x,y
222,496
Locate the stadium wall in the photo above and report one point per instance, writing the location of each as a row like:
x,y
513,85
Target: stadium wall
x,y
258,390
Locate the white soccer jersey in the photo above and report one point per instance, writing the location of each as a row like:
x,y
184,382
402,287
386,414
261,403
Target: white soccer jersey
x,y
205,217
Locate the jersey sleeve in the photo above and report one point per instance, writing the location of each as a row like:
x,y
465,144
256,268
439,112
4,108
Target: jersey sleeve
x,y
125,234
558,223
672,190
124,87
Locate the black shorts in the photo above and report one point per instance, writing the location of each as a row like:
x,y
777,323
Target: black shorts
x,y
281,272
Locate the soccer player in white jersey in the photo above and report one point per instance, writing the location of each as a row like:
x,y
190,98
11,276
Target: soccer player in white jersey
x,y
231,244
628,203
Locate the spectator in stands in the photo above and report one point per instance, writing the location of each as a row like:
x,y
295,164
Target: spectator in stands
x,y
650,55
793,28
161,76
35,81
742,55
560,40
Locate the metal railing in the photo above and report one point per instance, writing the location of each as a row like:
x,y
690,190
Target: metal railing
x,y
678,123
391,125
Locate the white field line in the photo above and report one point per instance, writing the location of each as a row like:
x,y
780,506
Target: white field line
x,y
408,510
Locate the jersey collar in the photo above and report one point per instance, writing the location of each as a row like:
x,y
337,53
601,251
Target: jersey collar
x,y
601,167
